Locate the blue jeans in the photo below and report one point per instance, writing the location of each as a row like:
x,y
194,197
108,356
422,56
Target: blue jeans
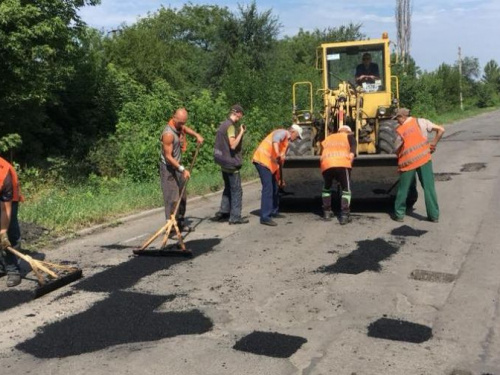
x,y
8,261
232,196
269,202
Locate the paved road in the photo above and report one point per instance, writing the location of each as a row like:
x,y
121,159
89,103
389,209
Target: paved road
x,y
307,297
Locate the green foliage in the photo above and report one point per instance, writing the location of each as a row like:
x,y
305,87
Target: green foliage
x,y
491,75
139,128
9,142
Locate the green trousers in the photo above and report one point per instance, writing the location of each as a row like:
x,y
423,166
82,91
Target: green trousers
x,y
426,177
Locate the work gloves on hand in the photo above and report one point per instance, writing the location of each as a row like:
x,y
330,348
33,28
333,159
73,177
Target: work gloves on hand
x,y
4,241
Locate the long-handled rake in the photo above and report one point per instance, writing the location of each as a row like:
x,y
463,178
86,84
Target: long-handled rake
x,y
167,228
56,275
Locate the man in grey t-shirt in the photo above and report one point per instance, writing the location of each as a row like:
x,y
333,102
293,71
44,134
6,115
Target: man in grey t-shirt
x,y
172,173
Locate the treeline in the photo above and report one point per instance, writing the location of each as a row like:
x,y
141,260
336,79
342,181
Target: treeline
x,y
76,100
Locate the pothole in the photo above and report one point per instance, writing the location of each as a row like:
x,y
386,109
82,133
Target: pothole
x,y
270,344
444,176
473,167
399,330
432,276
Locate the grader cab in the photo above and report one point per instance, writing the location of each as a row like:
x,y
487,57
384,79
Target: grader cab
x,y
364,102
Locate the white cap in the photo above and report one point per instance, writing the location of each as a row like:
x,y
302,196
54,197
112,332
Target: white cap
x,y
345,128
298,129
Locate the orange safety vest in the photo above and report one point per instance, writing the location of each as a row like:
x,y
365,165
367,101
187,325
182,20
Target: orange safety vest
x,y
265,154
415,150
336,151
5,168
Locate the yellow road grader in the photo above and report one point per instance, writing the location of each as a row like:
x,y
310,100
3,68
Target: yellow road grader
x,y
366,107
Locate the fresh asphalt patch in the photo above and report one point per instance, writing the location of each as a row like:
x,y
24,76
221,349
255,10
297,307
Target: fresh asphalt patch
x,y
366,257
122,318
473,167
127,274
407,231
13,298
270,344
399,330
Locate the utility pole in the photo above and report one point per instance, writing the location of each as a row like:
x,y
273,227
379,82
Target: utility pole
x,y
403,26
460,79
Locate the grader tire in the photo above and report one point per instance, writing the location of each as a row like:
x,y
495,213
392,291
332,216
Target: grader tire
x,y
387,137
302,147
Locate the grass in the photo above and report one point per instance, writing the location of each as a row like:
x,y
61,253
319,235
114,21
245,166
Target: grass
x,y
65,210
450,117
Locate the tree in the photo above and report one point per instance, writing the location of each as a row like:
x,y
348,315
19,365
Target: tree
x,y
38,44
491,75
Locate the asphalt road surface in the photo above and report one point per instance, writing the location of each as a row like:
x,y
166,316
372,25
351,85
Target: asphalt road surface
x,y
305,297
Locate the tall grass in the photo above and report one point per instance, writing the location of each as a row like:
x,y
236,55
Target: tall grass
x,y
66,209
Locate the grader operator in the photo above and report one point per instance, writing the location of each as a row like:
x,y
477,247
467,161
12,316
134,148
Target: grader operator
x,y
359,91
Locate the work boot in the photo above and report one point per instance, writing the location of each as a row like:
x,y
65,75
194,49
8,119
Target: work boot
x,y
397,218
278,216
327,215
271,223
13,279
344,219
241,220
220,217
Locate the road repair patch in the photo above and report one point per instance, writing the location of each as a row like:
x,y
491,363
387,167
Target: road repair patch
x,y
127,274
13,298
122,318
407,231
473,167
366,257
432,276
444,176
270,344
399,330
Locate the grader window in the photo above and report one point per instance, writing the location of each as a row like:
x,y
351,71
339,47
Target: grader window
x,y
360,65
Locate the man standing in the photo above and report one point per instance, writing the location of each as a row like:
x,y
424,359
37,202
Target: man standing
x,y
338,150
227,153
10,235
268,159
173,174
414,156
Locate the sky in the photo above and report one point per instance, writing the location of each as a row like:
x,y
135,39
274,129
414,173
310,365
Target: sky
x,y
438,27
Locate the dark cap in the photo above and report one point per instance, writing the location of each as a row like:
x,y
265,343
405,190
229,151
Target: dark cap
x,y
237,108
401,112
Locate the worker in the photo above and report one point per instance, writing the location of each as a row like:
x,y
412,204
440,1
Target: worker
x,y
337,155
268,159
227,153
173,174
414,156
10,234
367,71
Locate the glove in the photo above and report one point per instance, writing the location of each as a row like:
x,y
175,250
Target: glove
x,y
4,241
